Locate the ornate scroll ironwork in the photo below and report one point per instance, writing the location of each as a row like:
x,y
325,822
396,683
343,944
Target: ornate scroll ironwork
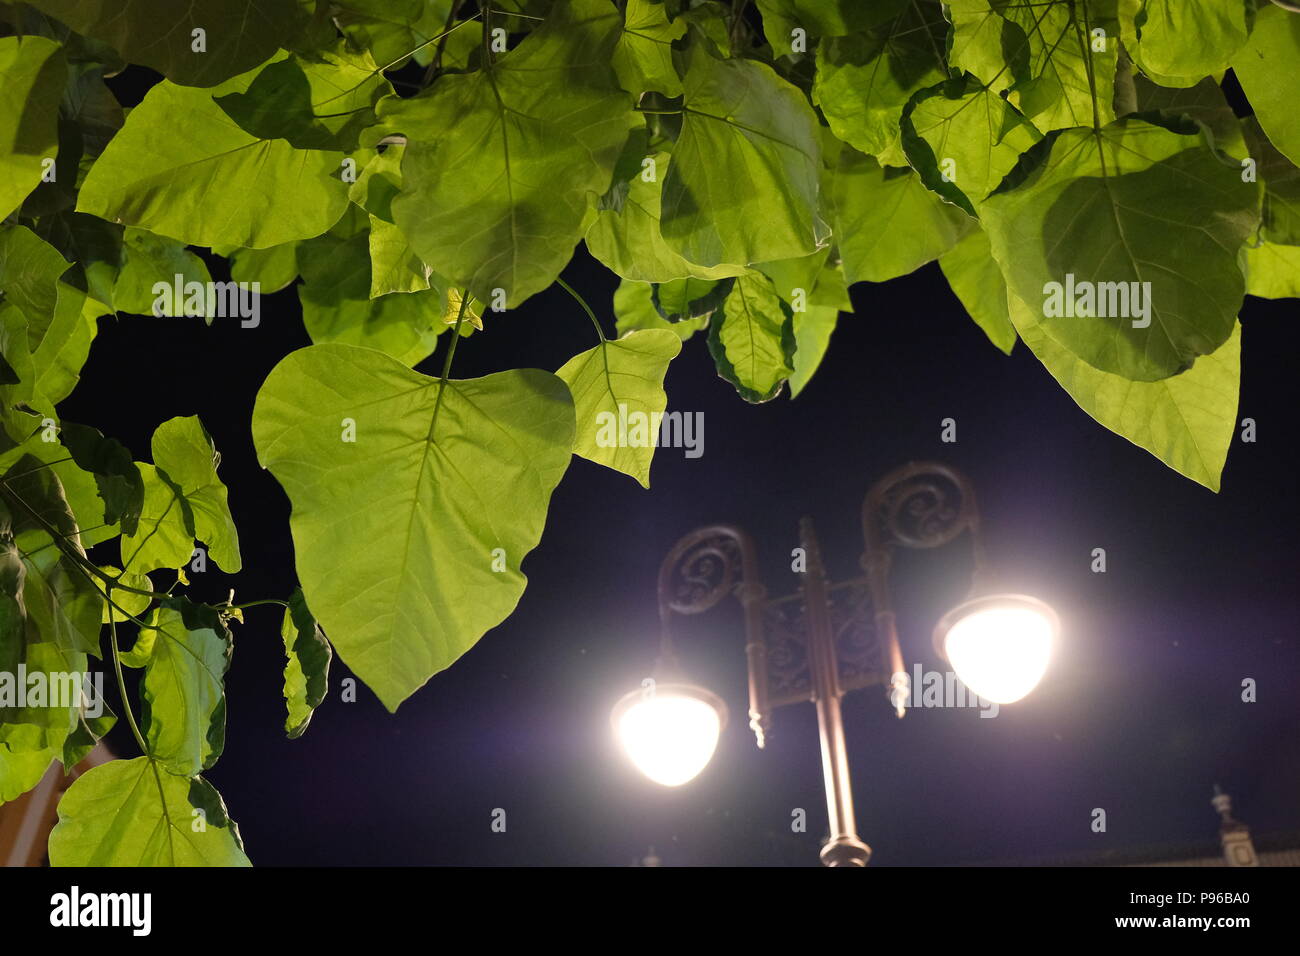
x,y
853,626
702,569
921,505
789,677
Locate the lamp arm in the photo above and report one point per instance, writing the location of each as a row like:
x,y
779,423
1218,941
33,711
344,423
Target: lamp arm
x,y
703,567
920,505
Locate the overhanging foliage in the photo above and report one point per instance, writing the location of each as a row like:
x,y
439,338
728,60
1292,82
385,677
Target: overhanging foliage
x,y
423,165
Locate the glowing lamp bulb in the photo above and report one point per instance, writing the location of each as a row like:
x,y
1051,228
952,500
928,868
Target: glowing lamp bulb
x,y
1000,645
670,731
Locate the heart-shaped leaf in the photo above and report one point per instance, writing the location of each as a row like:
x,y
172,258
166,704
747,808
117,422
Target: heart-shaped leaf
x,y
414,503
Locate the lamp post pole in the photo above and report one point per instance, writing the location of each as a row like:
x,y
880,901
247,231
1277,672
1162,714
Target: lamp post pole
x,y
844,848
828,638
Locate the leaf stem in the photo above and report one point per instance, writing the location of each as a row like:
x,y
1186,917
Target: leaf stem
x,y
121,681
31,471
435,64
737,20
446,363
1085,47
412,52
55,544
240,607
582,302
380,69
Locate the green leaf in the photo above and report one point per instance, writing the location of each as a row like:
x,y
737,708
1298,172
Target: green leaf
x,y
1177,42
1204,104
812,334
1133,203
62,605
131,603
986,44
216,184
86,736
272,269
1068,81
689,298
752,340
57,191
49,358
616,385
44,724
47,624
501,166
153,259
7,374
117,479
815,288
405,326
1186,421
91,105
864,80
1273,271
633,157
237,34
634,309
163,538
629,242
141,650
183,692
306,675
91,242
976,280
1281,214
391,31
822,17
643,58
133,813
321,103
13,615
22,770
830,288
32,71
379,183
886,222
1268,67
792,275
79,488
712,19
336,265
29,273
184,499
394,266
963,139
421,498
337,307
184,452
743,183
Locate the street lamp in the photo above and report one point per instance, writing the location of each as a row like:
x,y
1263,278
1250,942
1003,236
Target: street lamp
x,y
828,638
999,644
670,731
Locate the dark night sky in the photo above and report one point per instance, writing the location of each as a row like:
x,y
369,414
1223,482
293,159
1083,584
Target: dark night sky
x,y
1139,714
